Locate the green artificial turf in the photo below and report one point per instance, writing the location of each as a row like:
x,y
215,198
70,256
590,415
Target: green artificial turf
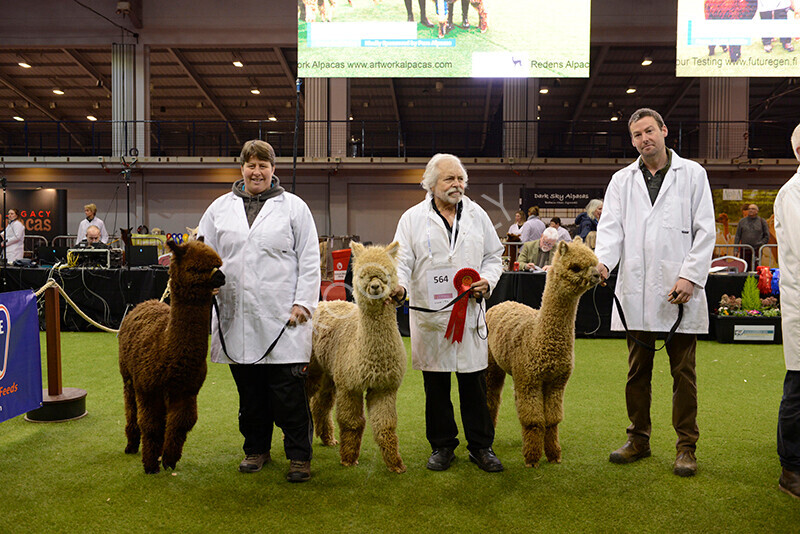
x,y
74,476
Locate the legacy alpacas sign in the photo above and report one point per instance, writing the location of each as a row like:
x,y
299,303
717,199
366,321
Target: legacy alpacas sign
x,y
42,211
20,359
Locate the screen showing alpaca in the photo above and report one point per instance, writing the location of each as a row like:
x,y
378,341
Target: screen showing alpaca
x,y
443,38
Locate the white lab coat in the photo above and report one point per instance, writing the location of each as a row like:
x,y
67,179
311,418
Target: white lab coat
x,y
787,230
424,247
268,268
85,224
655,244
14,237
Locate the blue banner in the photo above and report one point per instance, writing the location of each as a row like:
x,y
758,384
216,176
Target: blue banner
x,y
20,356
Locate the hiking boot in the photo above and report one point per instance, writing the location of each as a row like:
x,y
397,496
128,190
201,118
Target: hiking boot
x,y
789,483
630,452
441,459
299,471
486,460
685,464
253,463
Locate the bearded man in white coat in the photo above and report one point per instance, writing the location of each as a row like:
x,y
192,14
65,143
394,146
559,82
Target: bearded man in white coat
x,y
268,243
658,226
787,230
439,236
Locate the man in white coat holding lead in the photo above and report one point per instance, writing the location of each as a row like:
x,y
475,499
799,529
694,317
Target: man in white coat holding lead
x,y
658,226
787,230
441,235
268,243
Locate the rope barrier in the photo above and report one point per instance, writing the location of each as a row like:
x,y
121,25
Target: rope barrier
x,y
52,283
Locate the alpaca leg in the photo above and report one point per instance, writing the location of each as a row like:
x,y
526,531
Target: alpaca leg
x,y
530,410
553,414
382,410
152,420
322,411
350,416
131,425
495,378
181,417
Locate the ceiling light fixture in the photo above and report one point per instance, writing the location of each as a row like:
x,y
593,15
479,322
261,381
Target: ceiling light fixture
x,y
237,61
255,91
614,118
631,89
647,61
18,118
271,117
544,90
58,91
24,64
91,117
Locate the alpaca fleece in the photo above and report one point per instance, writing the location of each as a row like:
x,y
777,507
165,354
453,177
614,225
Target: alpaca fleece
x,y
537,348
357,352
162,357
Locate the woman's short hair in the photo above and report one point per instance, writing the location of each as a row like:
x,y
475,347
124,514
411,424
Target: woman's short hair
x,y
533,210
431,174
258,148
91,207
592,206
520,212
556,220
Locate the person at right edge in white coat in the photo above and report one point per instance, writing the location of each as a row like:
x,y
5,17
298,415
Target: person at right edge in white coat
x,y
787,230
658,226
442,234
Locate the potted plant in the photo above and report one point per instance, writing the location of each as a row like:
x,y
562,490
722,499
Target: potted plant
x,y
749,318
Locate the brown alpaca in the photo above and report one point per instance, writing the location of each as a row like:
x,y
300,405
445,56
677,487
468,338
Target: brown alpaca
x,y
537,348
162,356
357,349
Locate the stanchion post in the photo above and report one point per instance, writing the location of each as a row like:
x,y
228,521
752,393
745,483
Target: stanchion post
x,y
53,321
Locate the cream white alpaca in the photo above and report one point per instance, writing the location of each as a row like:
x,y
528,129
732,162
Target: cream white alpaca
x,y
356,351
537,348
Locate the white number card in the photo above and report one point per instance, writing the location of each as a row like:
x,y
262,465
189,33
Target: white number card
x,y
440,287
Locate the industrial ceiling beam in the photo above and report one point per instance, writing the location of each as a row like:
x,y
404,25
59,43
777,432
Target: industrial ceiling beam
x,y
487,103
679,96
216,103
587,89
393,94
89,69
287,72
35,103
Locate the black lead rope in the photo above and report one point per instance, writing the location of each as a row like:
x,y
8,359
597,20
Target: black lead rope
x,y
222,338
482,312
640,343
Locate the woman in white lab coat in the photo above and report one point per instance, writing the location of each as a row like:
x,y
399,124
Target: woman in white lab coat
x,y
13,237
268,243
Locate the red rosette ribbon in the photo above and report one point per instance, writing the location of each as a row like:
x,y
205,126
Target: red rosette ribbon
x,y
458,316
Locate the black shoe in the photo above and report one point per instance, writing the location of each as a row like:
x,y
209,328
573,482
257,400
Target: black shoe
x,y
425,22
486,460
441,459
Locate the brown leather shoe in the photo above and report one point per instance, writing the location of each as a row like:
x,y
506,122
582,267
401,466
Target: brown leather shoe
x,y
630,452
685,464
253,463
299,471
789,483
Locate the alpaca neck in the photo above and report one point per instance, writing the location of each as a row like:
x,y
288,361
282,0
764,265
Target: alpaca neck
x,y
559,308
373,320
188,322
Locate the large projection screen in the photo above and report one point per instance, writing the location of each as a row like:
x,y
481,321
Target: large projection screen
x,y
505,39
733,38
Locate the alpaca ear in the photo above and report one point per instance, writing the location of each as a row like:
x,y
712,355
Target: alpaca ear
x,y
177,250
392,249
577,239
563,247
201,238
356,247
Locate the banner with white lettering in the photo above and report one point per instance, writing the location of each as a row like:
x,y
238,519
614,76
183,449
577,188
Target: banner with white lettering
x,y
20,356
